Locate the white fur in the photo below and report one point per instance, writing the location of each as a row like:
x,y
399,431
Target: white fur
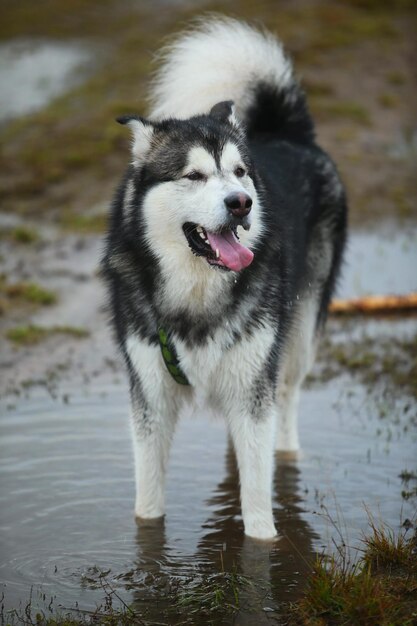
x,y
230,158
254,446
203,68
225,373
142,135
189,280
152,436
129,194
217,62
297,362
199,159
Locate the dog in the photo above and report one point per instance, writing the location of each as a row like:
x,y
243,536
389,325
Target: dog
x,y
225,241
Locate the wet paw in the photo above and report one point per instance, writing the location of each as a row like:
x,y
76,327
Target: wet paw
x,y
260,529
148,512
288,455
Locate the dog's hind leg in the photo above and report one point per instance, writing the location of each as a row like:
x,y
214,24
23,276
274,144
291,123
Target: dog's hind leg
x,y
298,358
246,393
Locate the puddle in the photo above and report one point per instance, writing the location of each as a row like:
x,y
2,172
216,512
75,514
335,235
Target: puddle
x,y
66,467
67,496
36,72
383,262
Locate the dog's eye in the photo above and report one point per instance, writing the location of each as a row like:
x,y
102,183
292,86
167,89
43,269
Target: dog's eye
x,y
239,172
195,176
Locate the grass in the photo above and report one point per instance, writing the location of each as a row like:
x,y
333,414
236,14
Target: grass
x,y
213,594
20,235
388,100
14,295
30,292
345,110
396,78
203,599
402,200
85,224
384,5
30,334
70,154
387,362
407,476
380,588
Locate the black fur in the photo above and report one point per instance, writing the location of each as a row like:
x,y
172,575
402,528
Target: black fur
x,y
304,208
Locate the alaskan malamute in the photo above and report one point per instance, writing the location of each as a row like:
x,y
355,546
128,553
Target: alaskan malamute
x,y
225,241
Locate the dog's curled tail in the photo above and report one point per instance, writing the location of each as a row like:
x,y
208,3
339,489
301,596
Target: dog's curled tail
x,y
225,59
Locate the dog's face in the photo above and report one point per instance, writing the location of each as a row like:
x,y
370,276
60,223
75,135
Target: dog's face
x,y
198,190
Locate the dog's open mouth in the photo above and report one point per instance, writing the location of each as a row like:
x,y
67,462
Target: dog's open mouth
x,y
221,249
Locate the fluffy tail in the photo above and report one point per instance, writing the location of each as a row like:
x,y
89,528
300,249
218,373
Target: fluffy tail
x,y
224,59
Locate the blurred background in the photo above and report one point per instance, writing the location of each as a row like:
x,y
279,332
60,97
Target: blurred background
x,y
67,69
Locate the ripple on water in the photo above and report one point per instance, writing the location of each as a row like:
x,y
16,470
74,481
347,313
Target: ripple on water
x,y
67,495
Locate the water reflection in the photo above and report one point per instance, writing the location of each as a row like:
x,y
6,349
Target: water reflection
x,y
276,571
67,475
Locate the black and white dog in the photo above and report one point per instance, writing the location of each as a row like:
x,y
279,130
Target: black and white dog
x,y
225,241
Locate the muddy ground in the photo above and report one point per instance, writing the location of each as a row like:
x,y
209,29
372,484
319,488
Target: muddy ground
x,y
60,163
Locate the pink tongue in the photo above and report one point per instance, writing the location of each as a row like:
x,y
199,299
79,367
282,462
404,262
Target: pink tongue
x,y
232,254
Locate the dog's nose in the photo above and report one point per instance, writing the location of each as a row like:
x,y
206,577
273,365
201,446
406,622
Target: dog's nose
x,y
238,204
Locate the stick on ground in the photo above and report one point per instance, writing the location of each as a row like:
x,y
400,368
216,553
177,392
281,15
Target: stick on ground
x,y
373,305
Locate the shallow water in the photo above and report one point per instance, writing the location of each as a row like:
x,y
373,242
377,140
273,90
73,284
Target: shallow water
x,y
66,467
67,496
380,262
32,73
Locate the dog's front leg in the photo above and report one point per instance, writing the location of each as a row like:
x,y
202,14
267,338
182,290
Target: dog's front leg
x,y
152,436
254,439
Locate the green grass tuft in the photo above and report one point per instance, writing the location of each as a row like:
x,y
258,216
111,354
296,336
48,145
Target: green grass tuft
x,y
389,552
346,109
31,292
85,224
388,362
19,294
213,594
388,100
31,334
20,234
396,78
380,588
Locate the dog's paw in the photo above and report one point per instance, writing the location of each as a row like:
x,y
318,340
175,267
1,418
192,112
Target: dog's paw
x,y
149,512
150,523
260,528
288,455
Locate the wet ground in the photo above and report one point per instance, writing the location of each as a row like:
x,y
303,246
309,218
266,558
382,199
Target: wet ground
x,y
37,72
67,471
67,533
67,495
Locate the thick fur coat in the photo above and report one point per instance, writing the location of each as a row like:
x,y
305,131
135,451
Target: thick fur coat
x,y
227,232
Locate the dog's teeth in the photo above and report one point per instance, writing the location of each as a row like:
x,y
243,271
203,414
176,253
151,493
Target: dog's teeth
x,y
199,229
217,253
202,235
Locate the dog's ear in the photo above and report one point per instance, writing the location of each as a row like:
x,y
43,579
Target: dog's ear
x,y
142,131
225,112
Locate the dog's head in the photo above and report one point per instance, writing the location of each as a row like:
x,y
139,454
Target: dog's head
x,y
195,186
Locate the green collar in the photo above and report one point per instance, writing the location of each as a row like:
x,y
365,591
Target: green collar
x,y
169,354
